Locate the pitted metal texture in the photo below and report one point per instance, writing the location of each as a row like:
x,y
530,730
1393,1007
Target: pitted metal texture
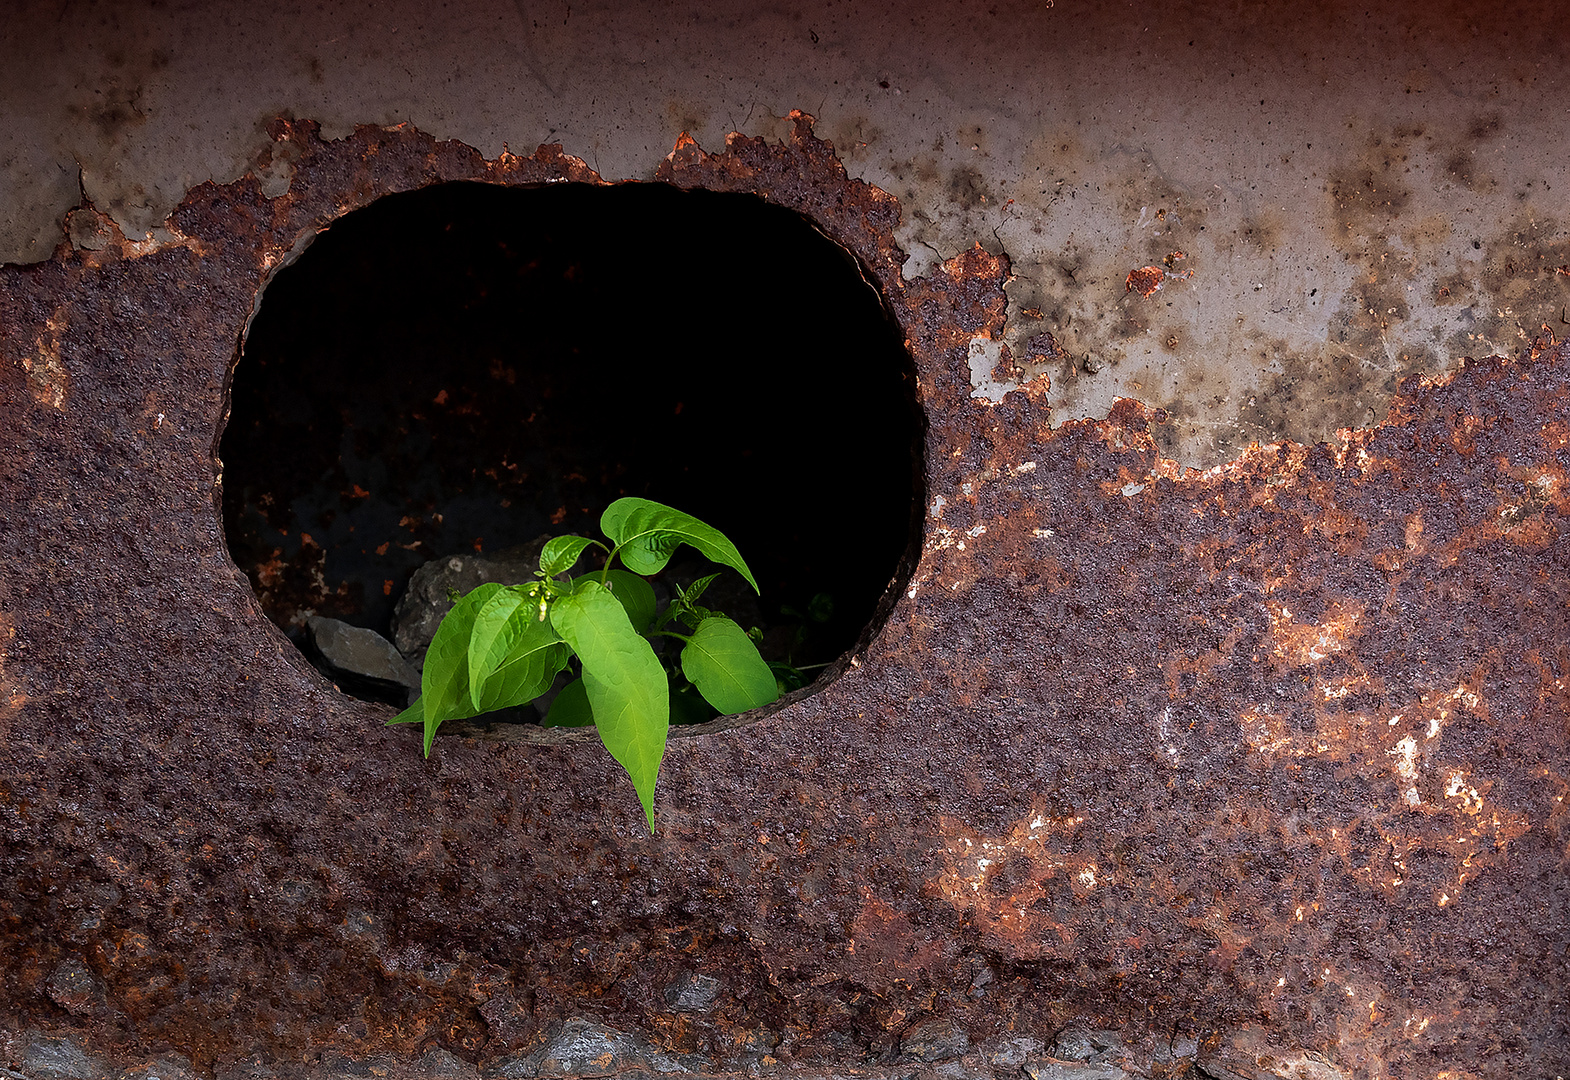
x,y
1267,761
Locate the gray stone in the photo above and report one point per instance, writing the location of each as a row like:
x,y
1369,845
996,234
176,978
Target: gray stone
x,y
581,1048
513,1067
1073,1044
968,1069
357,653
1012,1052
1214,1070
423,603
58,1057
935,1041
692,993
335,1066
1073,1070
1081,1044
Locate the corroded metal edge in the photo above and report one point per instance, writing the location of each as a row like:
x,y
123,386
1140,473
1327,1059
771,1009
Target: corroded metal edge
x,y
1275,751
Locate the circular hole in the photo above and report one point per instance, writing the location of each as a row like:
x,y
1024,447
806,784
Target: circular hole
x,y
461,369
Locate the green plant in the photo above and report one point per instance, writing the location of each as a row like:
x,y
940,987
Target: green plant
x,y
503,645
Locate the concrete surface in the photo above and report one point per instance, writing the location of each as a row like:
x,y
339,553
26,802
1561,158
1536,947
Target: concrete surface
x,y
1358,194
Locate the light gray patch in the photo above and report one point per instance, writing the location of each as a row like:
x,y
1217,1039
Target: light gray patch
x,y
984,356
1013,1051
36,196
163,1067
59,1057
939,1040
1068,1070
693,993
275,172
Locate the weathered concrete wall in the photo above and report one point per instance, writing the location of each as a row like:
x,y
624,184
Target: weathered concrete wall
x,y
1357,193
1262,769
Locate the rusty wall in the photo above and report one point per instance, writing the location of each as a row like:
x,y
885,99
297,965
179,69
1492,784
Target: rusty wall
x,y
1334,196
1261,768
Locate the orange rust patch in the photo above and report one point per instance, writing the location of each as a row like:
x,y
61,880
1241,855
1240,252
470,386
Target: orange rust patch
x,y
1145,281
1300,644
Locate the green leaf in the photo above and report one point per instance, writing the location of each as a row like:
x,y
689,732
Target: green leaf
x,y
626,685
647,532
414,714
519,659
682,603
444,684
570,707
648,554
496,626
527,671
636,596
723,663
560,554
691,615
692,593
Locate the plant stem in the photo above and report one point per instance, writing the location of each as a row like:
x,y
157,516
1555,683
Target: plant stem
x,y
669,633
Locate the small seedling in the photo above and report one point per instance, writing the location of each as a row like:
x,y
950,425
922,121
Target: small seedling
x,y
503,645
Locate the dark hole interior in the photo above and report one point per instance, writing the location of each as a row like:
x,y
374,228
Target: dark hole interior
x,y
464,368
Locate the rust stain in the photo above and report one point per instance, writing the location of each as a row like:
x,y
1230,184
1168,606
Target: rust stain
x,y
1272,755
46,374
1145,281
1012,883
12,697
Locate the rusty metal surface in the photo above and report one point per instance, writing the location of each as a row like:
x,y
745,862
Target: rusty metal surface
x,y
1273,755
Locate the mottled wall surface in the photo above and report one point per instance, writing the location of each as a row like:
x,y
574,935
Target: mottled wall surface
x,y
1262,769
1332,195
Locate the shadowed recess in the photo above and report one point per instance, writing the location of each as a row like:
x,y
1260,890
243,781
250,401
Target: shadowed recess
x,y
463,368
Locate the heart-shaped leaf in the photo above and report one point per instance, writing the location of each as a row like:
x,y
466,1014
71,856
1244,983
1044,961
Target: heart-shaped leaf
x,y
627,688
647,532
723,663
560,554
